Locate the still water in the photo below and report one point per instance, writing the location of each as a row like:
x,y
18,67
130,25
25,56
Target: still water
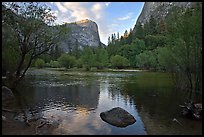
x,y
76,99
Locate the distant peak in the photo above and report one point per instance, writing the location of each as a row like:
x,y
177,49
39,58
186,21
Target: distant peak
x,y
84,21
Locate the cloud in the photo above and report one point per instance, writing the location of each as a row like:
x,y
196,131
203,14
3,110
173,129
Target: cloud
x,y
128,16
97,8
107,3
60,7
75,11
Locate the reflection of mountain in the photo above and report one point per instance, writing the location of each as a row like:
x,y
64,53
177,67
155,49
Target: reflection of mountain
x,y
38,93
77,96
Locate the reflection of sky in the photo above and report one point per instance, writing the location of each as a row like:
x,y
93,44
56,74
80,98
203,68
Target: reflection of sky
x,y
106,102
77,108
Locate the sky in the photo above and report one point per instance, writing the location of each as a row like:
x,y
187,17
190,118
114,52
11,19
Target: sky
x,y
111,17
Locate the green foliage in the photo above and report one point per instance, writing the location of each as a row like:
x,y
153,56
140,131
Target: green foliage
x,y
54,64
139,31
9,58
118,61
154,41
185,38
46,57
153,26
101,58
88,58
79,63
27,34
67,61
146,59
39,63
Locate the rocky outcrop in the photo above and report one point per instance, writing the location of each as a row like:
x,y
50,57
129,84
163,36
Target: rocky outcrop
x,y
192,110
81,33
159,10
118,117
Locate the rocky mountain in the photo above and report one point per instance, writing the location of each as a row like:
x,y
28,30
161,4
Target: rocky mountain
x,y
81,34
159,10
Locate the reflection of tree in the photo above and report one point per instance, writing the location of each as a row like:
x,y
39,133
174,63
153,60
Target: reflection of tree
x,y
84,97
158,104
115,91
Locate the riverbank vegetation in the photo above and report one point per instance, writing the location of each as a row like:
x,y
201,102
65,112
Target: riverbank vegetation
x,y
173,44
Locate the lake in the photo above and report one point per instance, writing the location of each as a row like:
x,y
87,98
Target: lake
x,y
76,99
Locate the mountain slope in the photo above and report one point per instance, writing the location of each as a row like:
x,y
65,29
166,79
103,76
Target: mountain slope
x,y
82,33
159,10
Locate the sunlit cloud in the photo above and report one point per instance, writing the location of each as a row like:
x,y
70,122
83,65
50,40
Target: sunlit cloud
x,y
75,11
107,3
95,11
128,16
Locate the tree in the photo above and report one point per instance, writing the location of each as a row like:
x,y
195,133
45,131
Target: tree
x,y
185,38
54,64
118,36
126,34
153,26
109,40
162,27
88,58
67,61
119,61
154,41
101,58
147,60
29,23
139,31
39,63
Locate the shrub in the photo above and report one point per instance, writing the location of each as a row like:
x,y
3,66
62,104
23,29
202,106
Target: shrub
x,y
54,64
39,63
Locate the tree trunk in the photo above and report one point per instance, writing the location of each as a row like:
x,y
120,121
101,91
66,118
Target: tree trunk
x,y
20,76
18,70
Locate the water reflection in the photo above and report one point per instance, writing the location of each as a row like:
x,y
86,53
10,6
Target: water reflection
x,y
74,101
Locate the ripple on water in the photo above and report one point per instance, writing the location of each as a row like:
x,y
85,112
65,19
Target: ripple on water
x,y
56,84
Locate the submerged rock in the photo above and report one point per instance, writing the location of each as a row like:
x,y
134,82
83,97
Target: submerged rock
x,y
118,117
192,110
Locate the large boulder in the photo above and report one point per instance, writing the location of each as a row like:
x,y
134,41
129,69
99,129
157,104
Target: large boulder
x,y
118,117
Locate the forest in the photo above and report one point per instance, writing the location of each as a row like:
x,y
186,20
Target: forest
x,y
152,75
172,45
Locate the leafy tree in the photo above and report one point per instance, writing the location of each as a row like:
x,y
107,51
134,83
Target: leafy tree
x,y
29,23
154,41
119,61
88,58
101,58
139,31
54,64
109,40
79,63
67,61
153,26
46,57
39,63
147,60
185,38
162,27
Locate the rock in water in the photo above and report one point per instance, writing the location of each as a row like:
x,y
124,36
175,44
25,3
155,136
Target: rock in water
x,y
118,117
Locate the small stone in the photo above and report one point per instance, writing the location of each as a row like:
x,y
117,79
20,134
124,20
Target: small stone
x,y
3,118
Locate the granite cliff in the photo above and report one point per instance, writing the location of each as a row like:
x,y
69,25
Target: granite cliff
x,y
159,10
81,33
